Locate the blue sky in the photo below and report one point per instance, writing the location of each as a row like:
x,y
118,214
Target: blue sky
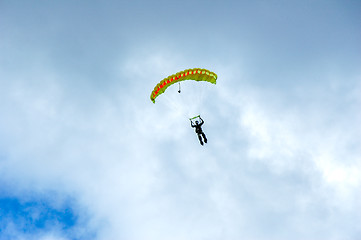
x,y
85,154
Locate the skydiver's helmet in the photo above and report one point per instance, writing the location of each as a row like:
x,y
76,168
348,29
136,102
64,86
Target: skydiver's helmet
x,y
196,122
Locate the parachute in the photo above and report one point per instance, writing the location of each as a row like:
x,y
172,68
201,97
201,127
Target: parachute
x,y
196,74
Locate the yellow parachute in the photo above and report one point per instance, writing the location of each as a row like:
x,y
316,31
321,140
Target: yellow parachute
x,y
197,74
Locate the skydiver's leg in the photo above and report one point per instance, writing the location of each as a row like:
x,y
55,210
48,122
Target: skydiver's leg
x,y
204,137
200,139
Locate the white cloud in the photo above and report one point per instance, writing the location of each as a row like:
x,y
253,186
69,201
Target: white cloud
x,y
139,171
281,162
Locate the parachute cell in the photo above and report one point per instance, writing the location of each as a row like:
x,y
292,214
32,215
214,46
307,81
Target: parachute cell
x,y
196,74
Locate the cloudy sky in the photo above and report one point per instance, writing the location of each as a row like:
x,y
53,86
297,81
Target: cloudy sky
x,y
85,154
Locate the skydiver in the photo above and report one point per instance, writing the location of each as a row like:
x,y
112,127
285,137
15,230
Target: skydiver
x,y
199,131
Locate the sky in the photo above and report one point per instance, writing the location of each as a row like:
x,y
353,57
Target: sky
x,y
85,154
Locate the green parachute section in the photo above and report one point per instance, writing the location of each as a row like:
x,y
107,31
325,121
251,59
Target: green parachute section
x,y
197,74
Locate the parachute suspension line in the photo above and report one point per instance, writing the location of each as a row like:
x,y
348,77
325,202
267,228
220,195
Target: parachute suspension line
x,y
179,89
172,103
200,96
175,102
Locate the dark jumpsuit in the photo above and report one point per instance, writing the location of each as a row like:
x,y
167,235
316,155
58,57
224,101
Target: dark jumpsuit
x,y
199,131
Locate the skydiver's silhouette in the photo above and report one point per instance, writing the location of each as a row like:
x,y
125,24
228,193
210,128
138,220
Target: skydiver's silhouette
x,y
199,131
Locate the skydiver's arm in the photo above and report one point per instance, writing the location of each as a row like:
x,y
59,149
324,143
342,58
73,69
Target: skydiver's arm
x,y
201,120
192,124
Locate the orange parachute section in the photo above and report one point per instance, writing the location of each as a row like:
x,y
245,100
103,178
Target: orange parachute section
x,y
196,74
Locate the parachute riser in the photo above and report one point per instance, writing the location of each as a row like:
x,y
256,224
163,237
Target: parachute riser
x,y
193,118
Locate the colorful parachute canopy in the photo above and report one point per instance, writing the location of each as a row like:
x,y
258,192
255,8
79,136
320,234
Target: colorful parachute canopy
x,y
197,74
